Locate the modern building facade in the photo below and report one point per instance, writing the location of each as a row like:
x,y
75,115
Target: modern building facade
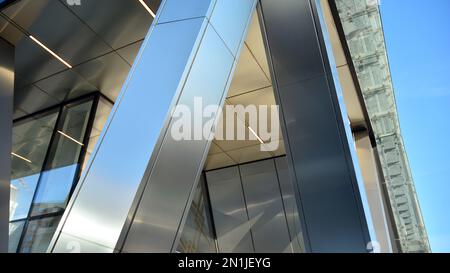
x,y
117,136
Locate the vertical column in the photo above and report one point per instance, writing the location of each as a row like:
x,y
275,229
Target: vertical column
x,y
370,172
6,112
314,131
137,190
160,213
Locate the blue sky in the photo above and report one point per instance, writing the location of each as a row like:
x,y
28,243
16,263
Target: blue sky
x,y
418,41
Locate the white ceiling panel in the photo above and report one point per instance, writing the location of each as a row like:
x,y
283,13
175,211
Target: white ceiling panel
x,y
248,75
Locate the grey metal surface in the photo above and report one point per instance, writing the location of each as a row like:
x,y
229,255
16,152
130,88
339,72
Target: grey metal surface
x,y
229,211
290,205
108,187
116,22
315,137
164,204
343,107
265,207
98,38
6,111
254,208
174,65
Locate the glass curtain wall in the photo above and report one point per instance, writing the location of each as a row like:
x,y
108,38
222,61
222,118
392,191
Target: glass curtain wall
x,y
31,139
48,152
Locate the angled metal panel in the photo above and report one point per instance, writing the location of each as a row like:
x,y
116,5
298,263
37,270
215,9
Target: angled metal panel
x,y
162,208
290,205
129,198
107,189
265,207
315,134
229,211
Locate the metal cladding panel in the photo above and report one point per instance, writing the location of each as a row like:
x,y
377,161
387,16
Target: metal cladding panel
x,y
176,10
107,189
314,131
229,18
135,194
6,112
179,163
290,205
265,207
159,213
229,211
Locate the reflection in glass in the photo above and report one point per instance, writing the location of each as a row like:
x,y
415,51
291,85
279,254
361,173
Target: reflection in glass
x,y
48,149
104,107
31,139
22,191
197,236
61,169
39,234
15,231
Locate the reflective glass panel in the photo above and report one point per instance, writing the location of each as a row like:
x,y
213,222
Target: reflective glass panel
x,y
104,107
15,231
39,234
59,175
31,139
197,236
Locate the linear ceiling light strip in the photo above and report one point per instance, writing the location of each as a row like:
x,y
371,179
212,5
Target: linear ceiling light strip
x,y
147,8
21,157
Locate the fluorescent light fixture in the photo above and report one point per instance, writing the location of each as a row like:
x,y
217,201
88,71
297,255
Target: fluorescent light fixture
x,y
50,51
256,135
147,8
71,138
21,157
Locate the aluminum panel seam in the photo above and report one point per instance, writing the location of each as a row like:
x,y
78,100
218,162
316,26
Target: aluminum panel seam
x,y
146,216
111,118
93,215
